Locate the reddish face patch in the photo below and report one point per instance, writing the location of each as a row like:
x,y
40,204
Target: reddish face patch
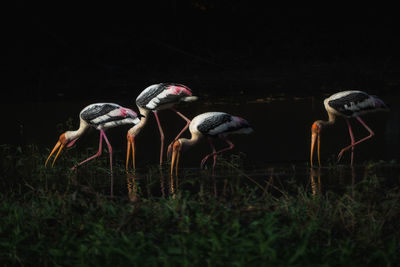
x,y
177,146
63,140
315,128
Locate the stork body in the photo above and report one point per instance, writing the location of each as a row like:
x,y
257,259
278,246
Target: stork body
x,y
101,116
152,99
346,104
211,125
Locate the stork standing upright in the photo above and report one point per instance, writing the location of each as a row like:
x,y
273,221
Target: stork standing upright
x,y
101,116
347,104
211,125
154,98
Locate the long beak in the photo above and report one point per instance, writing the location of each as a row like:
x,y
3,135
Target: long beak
x,y
314,137
52,152
318,146
169,151
175,156
130,145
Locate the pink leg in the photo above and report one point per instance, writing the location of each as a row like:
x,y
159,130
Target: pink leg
x,y
352,141
371,134
111,169
215,153
180,133
186,126
203,161
161,135
209,155
95,155
215,161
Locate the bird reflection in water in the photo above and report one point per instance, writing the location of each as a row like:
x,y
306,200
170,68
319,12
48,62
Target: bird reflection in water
x,y
132,187
341,176
162,182
146,180
315,180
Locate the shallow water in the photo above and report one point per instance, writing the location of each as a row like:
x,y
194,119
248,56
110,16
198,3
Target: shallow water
x,y
281,129
276,179
280,143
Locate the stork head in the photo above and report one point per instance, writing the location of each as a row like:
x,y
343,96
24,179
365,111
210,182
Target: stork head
x,y
315,135
65,140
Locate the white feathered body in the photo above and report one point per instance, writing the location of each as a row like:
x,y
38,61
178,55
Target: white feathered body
x,y
108,115
164,95
353,103
219,124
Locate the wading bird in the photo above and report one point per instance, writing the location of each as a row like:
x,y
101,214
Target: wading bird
x,y
101,116
154,98
347,104
212,125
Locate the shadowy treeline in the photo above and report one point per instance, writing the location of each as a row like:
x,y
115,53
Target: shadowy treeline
x,y
60,50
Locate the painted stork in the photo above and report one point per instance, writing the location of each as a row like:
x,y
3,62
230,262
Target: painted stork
x,y
101,116
347,104
211,125
154,98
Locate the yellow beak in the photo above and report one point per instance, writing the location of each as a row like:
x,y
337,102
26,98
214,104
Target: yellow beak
x,y
176,151
59,144
130,145
315,136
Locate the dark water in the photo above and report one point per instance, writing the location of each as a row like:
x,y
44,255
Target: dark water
x,y
281,129
275,179
281,134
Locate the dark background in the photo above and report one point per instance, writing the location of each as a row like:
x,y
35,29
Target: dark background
x,y
65,50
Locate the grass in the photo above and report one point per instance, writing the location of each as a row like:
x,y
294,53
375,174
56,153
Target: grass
x,y
55,217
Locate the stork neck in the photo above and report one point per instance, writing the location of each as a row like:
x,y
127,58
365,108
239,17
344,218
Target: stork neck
x,y
330,121
135,130
72,135
332,118
188,143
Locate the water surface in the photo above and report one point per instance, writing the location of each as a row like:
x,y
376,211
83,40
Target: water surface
x,y
279,147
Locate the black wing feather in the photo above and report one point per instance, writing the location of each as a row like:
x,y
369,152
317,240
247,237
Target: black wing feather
x,y
97,111
351,100
213,122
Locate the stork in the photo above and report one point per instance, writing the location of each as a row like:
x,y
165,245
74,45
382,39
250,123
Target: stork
x,y
101,116
211,125
152,99
346,104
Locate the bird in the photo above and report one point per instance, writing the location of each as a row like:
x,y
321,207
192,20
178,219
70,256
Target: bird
x,y
100,116
152,99
347,104
211,125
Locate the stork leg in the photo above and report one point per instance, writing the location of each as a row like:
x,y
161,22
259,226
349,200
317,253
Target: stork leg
x,y
212,154
371,134
352,141
180,133
214,163
215,153
98,154
184,128
215,160
203,161
111,169
161,136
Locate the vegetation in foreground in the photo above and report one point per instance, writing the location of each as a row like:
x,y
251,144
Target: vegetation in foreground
x,y
48,218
